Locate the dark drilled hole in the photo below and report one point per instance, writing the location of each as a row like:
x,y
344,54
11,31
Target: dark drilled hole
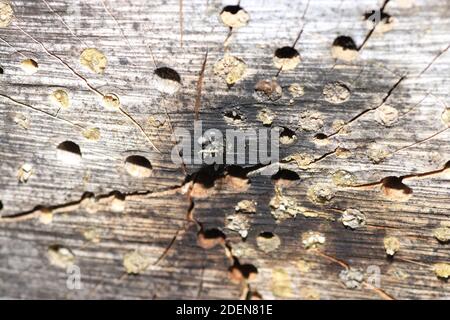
x,y
168,73
139,161
286,53
321,136
285,174
70,146
396,183
266,234
345,42
232,9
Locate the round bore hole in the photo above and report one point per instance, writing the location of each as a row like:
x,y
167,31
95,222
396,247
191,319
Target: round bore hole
x,y
69,152
138,166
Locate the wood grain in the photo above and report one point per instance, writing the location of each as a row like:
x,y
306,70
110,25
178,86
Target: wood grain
x,y
138,35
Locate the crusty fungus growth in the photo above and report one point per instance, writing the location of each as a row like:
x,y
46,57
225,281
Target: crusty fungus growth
x,y
210,238
353,219
69,152
29,66
296,90
310,120
391,245
268,242
234,16
442,234
442,270
6,14
110,100
312,239
230,68
266,116
138,166
320,193
303,160
60,257
377,153
60,99
94,60
136,262
267,90
24,173
343,178
246,206
281,283
352,278
92,134
336,92
386,115
239,223
286,58
167,80
394,189
344,48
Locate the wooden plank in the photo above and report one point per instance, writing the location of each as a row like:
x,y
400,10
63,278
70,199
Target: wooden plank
x,y
405,68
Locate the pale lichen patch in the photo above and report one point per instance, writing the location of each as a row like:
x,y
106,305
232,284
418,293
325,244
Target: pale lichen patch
x,y
320,193
310,120
239,223
231,68
386,115
266,116
281,283
60,99
442,270
352,278
313,239
136,262
94,60
303,160
442,234
246,206
21,120
377,153
353,219
6,14
343,178
391,245
267,90
336,92
283,207
296,90
92,234
25,172
92,134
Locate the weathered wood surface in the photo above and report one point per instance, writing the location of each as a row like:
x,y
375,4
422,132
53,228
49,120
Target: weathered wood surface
x,y
414,49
